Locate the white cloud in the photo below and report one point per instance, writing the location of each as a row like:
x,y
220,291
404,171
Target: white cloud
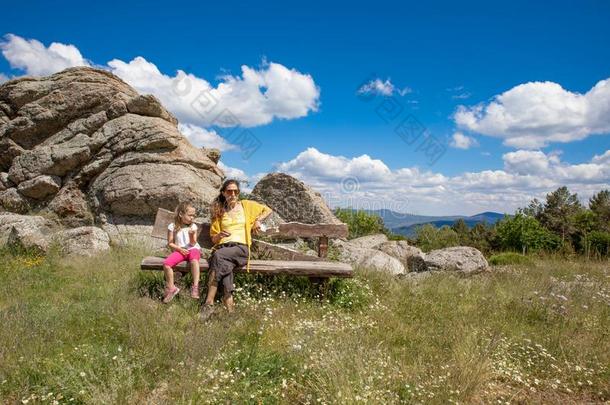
x,y
461,141
602,159
382,88
526,174
325,166
234,173
526,162
3,78
205,138
535,114
36,59
256,97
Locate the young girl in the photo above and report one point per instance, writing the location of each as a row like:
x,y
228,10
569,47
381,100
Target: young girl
x,y
182,240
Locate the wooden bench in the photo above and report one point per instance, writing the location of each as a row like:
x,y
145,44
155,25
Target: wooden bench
x,y
317,268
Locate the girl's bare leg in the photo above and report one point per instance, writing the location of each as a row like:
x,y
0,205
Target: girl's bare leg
x,y
169,276
195,271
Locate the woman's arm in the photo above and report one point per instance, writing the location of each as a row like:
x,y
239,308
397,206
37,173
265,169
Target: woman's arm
x,y
256,226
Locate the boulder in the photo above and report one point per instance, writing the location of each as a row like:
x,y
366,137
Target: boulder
x,y
410,256
11,200
370,259
293,200
463,259
26,231
133,234
85,145
83,241
40,187
369,241
71,206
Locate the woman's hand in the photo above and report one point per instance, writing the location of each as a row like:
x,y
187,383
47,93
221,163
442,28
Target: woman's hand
x,y
183,251
222,234
256,226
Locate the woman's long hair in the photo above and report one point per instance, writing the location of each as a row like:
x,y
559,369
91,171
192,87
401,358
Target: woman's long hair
x,y
219,205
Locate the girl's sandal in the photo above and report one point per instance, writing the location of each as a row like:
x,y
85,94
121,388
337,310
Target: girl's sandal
x,y
170,294
195,291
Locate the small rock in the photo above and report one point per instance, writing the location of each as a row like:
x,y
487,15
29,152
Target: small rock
x,y
463,259
40,187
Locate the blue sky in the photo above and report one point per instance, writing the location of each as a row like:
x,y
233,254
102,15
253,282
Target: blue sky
x,y
439,55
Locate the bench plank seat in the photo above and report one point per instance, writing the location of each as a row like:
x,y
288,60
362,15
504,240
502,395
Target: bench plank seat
x,y
321,269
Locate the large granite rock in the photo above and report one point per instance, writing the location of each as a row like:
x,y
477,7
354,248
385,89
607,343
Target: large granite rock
x,y
410,256
83,241
369,241
463,259
86,146
33,232
370,259
26,232
293,200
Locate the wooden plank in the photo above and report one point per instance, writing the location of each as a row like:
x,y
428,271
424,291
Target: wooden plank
x,y
321,269
269,251
296,229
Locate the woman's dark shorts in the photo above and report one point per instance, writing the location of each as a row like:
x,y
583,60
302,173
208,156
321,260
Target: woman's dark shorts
x,y
224,259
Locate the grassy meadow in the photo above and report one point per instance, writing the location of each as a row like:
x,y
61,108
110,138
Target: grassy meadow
x,y
93,330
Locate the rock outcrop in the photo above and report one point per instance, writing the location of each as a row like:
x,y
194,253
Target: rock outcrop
x,y
85,146
293,200
410,256
36,233
463,259
371,259
369,241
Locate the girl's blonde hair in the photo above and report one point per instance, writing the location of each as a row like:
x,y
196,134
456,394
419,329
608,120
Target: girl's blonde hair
x,y
182,208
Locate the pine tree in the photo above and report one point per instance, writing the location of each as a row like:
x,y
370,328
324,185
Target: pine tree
x,y
599,204
558,213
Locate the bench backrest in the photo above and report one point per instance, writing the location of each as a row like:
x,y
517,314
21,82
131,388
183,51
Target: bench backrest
x,y
165,217
288,230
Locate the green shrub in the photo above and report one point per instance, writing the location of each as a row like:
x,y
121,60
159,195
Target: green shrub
x,y
509,258
359,222
430,237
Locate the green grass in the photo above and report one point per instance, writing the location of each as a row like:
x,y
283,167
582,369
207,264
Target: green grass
x,y
93,330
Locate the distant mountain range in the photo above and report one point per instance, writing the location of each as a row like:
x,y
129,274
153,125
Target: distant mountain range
x,y
405,224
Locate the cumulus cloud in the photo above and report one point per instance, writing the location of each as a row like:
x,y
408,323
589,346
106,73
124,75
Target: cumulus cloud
x,y
234,173
535,114
365,182
38,60
255,97
382,88
315,163
461,141
205,138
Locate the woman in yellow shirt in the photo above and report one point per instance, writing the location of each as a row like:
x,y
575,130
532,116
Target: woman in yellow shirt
x,y
233,221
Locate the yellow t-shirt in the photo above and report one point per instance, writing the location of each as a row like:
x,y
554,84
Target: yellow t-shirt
x,y
235,226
